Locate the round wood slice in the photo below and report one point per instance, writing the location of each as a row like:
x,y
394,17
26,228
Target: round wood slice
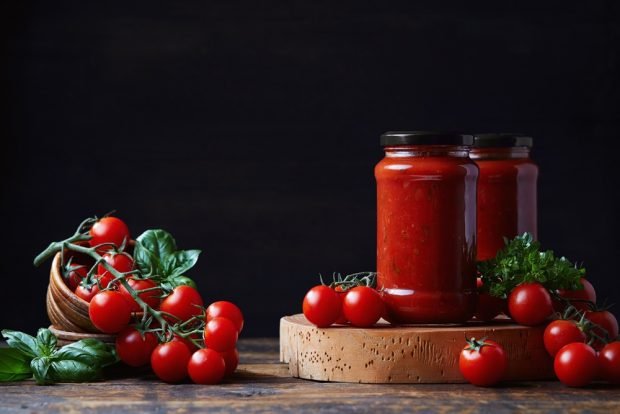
x,y
404,354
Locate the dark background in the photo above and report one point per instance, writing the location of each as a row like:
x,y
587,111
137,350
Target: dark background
x,y
250,129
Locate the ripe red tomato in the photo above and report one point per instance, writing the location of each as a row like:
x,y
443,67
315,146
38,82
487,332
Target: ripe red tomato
x,y
342,320
576,364
133,348
609,362
608,326
86,292
206,366
109,230
579,298
183,303
220,334
562,332
483,363
488,306
363,306
151,297
530,304
322,306
190,345
121,262
226,310
169,361
109,311
231,358
74,274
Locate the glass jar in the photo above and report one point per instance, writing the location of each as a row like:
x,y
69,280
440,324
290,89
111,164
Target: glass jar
x,y
506,190
426,227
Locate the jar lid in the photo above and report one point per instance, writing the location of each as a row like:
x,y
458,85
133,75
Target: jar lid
x,y
502,140
394,138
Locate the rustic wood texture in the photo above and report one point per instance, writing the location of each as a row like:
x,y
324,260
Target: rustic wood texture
x,y
404,354
261,384
66,337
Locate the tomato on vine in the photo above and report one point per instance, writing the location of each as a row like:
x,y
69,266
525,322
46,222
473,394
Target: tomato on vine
x,y
135,348
226,310
73,274
530,304
183,303
607,326
609,362
580,298
562,332
151,296
206,366
85,291
109,230
169,361
363,306
483,362
220,334
109,311
121,262
231,358
576,364
322,306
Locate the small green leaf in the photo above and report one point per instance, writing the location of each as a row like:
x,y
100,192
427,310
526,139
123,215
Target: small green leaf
x,y
46,342
40,367
180,262
175,281
14,365
73,371
24,342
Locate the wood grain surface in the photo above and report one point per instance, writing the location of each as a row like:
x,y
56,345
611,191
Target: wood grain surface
x,y
261,384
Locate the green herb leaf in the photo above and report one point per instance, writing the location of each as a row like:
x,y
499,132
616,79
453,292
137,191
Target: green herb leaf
x,y
24,342
520,261
172,282
14,365
73,371
180,262
46,342
88,351
40,367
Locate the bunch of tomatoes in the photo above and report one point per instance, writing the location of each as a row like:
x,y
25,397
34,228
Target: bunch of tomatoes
x,y
171,329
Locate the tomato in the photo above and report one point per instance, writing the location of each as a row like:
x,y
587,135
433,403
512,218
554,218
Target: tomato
x,y
206,366
226,310
74,274
169,361
483,363
151,297
576,364
322,306
488,306
231,358
609,362
134,348
109,230
530,304
220,334
121,262
190,345
109,311
607,326
183,303
86,292
579,298
562,332
363,306
342,320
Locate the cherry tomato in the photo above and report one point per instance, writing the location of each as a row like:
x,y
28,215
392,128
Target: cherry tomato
x,y
576,364
109,230
190,345
231,358
133,348
183,303
206,366
483,363
488,306
608,326
342,320
86,292
220,334
530,304
363,306
609,362
562,332
169,361
322,306
151,297
109,311
121,262
74,274
579,298
226,310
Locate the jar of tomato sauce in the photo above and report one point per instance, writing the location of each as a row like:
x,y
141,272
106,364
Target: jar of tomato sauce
x,y
426,227
506,190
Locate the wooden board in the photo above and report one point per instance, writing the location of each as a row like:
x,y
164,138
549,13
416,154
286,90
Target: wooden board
x,y
404,354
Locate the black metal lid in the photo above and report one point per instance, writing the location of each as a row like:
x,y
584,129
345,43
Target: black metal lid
x,y
395,138
502,140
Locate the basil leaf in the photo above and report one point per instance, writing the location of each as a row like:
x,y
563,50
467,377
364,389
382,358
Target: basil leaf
x,y
180,262
172,282
40,367
158,242
145,261
73,371
14,365
88,351
46,342
24,342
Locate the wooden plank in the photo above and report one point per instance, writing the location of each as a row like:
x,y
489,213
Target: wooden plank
x,y
404,354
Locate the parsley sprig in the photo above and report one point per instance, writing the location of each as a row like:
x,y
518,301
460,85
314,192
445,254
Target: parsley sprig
x,y
522,260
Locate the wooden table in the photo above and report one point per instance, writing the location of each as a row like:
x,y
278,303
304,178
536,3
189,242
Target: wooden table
x,y
262,384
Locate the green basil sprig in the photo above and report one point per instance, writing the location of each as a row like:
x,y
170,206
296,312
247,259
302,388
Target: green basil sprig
x,y
156,255
41,358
